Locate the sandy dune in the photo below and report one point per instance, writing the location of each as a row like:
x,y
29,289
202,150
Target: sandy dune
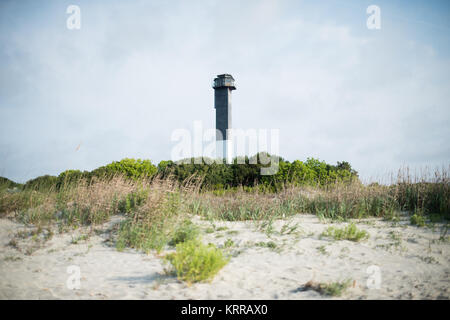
x,y
413,264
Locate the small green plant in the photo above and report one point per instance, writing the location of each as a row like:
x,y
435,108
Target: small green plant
x,y
228,243
269,244
396,236
209,230
82,237
392,216
322,249
12,258
266,225
222,228
287,228
194,262
418,220
185,232
350,232
429,260
232,232
330,288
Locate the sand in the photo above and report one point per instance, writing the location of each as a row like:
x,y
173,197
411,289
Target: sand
x,y
409,262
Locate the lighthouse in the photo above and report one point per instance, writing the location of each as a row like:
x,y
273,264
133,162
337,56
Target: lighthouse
x,y
223,86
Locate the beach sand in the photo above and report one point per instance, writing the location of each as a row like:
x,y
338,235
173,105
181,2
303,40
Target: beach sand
x,y
410,263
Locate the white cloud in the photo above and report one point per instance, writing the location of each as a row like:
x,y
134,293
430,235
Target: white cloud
x,y
136,71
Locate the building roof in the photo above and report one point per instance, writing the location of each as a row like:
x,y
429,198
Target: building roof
x,y
225,75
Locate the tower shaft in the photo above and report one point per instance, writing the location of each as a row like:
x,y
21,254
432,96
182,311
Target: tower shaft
x,y
223,86
222,98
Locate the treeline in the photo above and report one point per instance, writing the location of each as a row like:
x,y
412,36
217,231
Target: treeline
x,y
223,176
212,176
5,183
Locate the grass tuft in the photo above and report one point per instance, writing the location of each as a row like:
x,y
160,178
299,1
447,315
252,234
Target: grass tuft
x,y
350,232
418,220
184,232
330,289
194,262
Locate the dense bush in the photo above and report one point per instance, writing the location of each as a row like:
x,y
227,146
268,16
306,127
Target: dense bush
x,y
71,177
409,194
46,182
219,176
350,232
130,168
214,176
5,183
193,261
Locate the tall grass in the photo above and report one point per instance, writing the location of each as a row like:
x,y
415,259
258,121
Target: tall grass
x,y
338,201
422,196
155,211
154,219
423,193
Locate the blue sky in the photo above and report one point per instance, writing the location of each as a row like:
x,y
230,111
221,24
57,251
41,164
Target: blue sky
x,y
138,70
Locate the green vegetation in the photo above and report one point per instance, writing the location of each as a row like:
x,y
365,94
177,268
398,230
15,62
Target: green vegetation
x,y
130,168
209,230
336,189
330,289
156,222
429,260
270,244
228,243
349,232
193,261
6,184
185,232
83,237
46,182
418,220
12,258
245,172
157,202
322,249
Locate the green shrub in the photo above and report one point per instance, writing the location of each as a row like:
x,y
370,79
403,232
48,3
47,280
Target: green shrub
x,y
141,236
349,232
42,183
228,243
418,220
70,178
5,184
269,244
193,261
246,173
330,289
209,230
184,232
130,168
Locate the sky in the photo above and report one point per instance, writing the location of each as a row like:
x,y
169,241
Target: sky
x,y
136,71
